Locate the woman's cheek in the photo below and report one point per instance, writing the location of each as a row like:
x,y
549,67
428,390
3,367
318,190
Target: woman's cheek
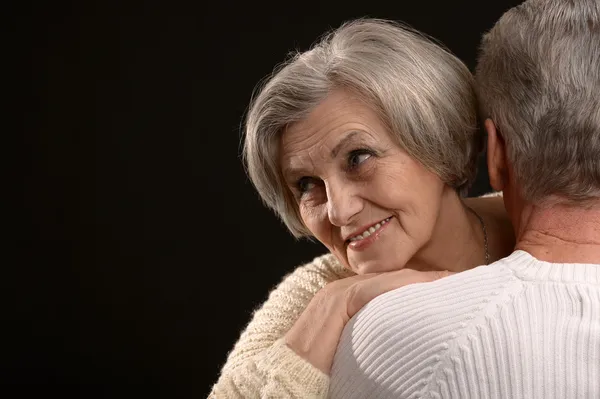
x,y
314,217
388,191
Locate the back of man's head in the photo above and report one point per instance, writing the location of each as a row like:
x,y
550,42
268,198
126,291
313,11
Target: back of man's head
x,y
538,79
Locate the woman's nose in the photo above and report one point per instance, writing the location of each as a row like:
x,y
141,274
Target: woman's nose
x,y
342,204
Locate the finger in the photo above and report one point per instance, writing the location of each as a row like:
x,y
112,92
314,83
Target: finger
x,y
416,276
366,290
438,274
343,284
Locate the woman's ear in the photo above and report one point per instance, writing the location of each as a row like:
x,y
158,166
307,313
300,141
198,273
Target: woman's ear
x,y
496,157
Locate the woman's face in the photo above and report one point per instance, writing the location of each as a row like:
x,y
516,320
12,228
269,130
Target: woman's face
x,y
359,193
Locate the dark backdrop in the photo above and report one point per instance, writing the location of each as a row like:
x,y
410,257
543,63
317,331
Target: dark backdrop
x,y
142,248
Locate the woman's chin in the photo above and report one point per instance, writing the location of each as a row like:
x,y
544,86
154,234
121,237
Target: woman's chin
x,y
372,266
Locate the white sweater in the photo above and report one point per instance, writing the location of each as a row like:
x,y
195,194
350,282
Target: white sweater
x,y
518,328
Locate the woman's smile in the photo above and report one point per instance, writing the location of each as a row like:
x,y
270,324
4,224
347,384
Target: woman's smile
x,y
369,235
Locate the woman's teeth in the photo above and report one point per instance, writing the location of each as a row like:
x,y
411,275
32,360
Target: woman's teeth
x,y
370,230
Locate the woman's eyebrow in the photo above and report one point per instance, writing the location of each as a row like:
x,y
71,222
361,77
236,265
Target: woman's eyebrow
x,y
349,137
290,171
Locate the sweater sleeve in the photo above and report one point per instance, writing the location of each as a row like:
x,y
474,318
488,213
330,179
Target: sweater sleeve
x,y
260,364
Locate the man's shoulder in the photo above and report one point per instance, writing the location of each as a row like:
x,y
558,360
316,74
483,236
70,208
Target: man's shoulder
x,y
419,312
456,289
400,335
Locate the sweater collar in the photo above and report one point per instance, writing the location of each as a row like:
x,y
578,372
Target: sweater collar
x,y
527,267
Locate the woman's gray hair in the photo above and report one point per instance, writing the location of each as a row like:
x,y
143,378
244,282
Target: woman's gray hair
x,y
538,79
423,94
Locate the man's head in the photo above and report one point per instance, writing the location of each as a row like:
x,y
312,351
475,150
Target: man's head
x,y
538,78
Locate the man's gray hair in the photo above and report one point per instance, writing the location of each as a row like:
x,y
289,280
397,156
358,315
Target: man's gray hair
x,y
423,94
538,79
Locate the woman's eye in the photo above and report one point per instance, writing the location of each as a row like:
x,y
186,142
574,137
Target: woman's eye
x,y
357,157
305,184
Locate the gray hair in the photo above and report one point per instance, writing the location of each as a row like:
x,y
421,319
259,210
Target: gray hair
x,y
538,79
422,93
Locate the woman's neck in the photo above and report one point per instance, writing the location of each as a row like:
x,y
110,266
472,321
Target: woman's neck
x,y
458,240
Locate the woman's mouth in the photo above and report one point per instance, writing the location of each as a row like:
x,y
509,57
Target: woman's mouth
x,y
367,237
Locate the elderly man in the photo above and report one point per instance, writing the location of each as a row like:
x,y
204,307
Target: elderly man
x,y
527,326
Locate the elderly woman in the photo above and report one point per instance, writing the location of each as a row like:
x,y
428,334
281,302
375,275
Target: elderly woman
x,y
365,143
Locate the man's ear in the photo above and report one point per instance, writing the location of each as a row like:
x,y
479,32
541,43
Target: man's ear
x,y
496,157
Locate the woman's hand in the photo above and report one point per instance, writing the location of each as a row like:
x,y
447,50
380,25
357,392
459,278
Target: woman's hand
x,y
316,333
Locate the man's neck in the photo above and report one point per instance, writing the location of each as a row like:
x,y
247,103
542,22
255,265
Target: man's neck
x,y
560,233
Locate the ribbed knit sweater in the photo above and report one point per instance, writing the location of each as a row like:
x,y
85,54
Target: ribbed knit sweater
x,y
518,328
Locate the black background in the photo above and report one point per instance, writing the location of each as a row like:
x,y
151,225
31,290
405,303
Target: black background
x,y
142,248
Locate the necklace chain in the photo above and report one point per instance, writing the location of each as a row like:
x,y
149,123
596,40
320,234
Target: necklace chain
x,y
485,237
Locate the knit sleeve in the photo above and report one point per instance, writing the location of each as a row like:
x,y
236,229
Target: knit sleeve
x,y
260,364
